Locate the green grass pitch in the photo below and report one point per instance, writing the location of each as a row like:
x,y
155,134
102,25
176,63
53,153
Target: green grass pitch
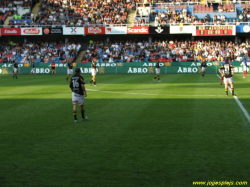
x,y
139,132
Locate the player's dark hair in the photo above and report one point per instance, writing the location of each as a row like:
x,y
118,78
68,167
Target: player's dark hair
x,y
77,70
227,60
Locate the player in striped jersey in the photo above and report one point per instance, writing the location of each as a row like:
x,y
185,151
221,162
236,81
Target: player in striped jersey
x,y
227,70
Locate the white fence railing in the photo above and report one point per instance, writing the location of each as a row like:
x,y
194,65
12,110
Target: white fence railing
x,y
62,26
119,25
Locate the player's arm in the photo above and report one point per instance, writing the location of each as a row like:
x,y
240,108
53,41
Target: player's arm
x,y
83,86
84,90
233,71
221,71
71,85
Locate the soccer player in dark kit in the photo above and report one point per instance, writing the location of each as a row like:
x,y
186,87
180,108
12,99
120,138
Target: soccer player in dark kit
x,y
77,86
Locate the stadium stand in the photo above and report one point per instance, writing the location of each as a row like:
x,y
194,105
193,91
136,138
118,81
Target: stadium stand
x,y
79,13
166,51
195,13
84,13
20,10
40,51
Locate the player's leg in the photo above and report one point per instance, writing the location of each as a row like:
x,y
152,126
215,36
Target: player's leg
x,y
203,71
94,79
158,76
232,85
232,88
221,79
83,113
93,74
68,73
90,82
74,102
226,89
15,73
244,74
155,77
75,112
226,86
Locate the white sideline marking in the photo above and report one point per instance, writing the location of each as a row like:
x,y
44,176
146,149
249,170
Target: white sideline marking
x,y
240,104
156,94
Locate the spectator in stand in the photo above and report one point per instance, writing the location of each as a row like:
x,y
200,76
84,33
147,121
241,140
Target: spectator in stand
x,y
220,58
241,17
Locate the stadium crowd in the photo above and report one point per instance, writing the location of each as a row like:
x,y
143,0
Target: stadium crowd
x,y
84,13
172,17
11,8
40,51
81,13
166,51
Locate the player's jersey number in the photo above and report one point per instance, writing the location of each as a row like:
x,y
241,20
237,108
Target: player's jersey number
x,y
227,69
75,83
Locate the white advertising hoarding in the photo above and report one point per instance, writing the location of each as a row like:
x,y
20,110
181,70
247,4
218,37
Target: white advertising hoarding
x,y
116,30
73,31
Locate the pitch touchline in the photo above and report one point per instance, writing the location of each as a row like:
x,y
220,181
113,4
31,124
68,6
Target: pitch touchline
x,y
240,104
155,94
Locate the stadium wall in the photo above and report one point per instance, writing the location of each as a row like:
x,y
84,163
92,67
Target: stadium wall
x,y
123,68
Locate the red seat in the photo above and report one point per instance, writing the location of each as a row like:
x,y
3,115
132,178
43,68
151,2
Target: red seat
x,y
162,59
9,55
